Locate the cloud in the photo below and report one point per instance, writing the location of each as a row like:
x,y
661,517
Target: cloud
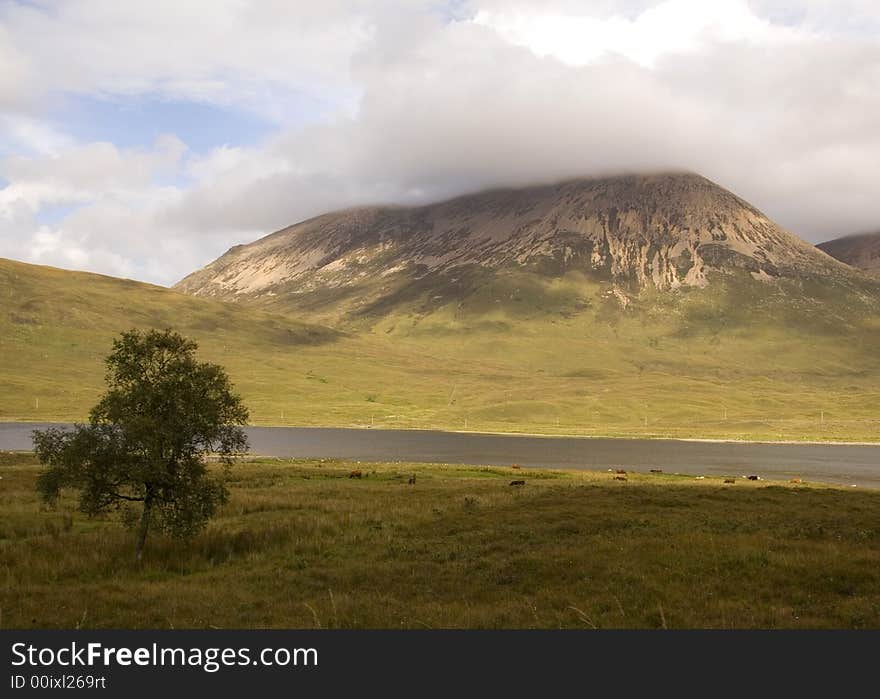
x,y
253,54
113,201
677,26
781,116
16,76
776,101
85,173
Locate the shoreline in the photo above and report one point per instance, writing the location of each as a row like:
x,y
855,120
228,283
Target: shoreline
x,y
645,438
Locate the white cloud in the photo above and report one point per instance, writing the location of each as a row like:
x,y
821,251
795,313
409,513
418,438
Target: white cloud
x,y
116,198
86,173
675,26
15,76
221,51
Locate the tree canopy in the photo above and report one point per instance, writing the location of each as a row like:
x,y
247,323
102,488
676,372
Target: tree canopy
x,y
147,438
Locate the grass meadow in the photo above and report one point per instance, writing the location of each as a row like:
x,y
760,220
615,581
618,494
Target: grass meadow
x,y
300,544
552,356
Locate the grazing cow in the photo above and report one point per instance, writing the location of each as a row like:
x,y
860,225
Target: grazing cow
x,y
620,470
355,474
730,480
412,479
754,478
516,466
796,480
656,470
517,482
620,478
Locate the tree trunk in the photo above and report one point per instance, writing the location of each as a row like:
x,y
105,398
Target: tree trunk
x,y
144,526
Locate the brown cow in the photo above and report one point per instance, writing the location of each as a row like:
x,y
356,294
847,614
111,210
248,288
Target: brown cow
x,y
355,474
517,482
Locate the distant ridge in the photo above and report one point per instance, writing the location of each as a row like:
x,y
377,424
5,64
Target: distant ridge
x,y
860,251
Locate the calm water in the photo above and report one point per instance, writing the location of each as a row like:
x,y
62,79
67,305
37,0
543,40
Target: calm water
x,y
843,464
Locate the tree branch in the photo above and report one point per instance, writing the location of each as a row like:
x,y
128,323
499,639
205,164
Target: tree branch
x,y
126,497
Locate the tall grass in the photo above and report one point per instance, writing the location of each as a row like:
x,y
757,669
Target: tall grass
x,y
302,545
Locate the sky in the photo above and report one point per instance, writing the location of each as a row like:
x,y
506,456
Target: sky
x,y
143,139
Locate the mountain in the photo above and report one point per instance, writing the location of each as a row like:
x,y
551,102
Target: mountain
x,y
653,304
667,232
860,251
657,305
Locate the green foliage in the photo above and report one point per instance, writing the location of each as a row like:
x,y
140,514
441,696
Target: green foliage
x,y
148,436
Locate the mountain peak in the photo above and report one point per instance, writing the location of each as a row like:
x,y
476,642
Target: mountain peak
x,y
666,230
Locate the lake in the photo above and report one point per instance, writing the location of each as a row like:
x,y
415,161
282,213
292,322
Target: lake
x,y
830,463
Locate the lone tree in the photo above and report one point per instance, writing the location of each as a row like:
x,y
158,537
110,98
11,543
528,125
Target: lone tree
x,y
147,438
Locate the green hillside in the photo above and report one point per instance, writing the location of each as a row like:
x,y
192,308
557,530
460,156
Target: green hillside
x,y
739,359
511,352
56,326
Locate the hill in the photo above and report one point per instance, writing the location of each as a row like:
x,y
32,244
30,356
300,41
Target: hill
x,y
56,326
860,251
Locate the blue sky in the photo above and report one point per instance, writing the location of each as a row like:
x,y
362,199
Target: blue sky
x,y
54,214
137,120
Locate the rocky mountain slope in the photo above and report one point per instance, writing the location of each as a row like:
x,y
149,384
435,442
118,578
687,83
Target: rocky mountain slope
x,y
860,251
666,232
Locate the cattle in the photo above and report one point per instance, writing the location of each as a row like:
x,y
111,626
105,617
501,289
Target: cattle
x,y
516,466
796,480
355,474
412,479
730,480
620,478
656,470
518,483
620,470
754,478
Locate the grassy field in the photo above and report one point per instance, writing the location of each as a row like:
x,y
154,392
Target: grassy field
x,y
519,354
302,545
